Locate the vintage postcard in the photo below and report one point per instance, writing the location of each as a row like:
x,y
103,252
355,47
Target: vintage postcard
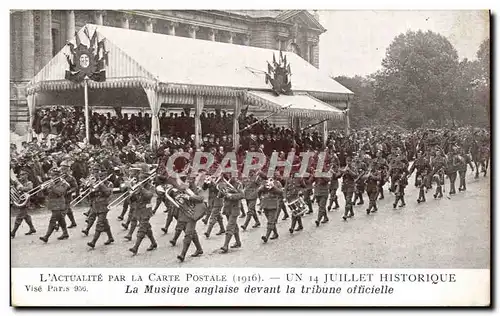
x,y
250,158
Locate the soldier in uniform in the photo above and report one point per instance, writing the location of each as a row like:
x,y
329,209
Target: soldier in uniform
x,y
233,194
464,160
141,205
359,182
452,168
251,184
372,179
438,165
66,170
215,201
400,183
321,191
95,170
132,219
308,192
334,185
423,168
396,169
383,167
24,185
100,200
293,191
349,174
172,210
270,193
56,202
194,202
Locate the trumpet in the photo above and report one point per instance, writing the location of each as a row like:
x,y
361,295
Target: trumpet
x,y
131,190
20,199
91,186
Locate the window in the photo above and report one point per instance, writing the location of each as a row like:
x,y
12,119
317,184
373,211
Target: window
x,y
55,41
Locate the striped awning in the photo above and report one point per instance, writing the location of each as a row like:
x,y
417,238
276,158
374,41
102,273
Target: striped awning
x,y
299,105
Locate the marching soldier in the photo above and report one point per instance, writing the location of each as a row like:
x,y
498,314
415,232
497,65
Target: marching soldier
x,y
270,194
100,196
349,175
251,184
24,185
359,182
56,202
215,201
334,185
95,170
396,169
464,160
293,191
141,200
400,183
172,210
452,168
372,179
438,165
66,171
196,203
321,191
383,167
423,168
233,194
132,219
308,192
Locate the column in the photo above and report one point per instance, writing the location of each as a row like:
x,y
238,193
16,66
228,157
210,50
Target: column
x,y
199,104
192,30
347,123
211,34
125,21
171,28
70,25
325,133
99,17
148,25
246,39
16,46
236,124
230,36
308,52
28,45
315,55
296,124
46,36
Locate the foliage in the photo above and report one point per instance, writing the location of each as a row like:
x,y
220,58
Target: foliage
x,y
422,79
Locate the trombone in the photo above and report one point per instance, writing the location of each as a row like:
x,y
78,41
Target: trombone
x,y
88,190
131,191
20,199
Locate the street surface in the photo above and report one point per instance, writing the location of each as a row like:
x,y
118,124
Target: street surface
x,y
444,233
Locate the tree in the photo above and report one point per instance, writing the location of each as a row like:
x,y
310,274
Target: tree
x,y
361,108
416,81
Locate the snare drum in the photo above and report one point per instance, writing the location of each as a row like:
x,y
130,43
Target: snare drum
x,y
160,190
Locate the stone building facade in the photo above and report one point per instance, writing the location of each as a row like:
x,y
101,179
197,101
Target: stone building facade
x,y
37,35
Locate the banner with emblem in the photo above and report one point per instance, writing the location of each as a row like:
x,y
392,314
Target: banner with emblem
x,y
87,60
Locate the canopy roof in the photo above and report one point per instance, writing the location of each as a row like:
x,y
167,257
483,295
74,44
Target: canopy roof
x,y
174,61
300,104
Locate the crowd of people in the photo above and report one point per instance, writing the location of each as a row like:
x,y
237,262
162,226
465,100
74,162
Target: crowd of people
x,y
118,159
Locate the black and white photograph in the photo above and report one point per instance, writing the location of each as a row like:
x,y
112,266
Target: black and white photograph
x,y
251,139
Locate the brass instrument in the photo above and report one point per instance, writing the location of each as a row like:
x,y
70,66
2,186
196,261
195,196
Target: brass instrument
x,y
91,186
131,190
20,199
179,198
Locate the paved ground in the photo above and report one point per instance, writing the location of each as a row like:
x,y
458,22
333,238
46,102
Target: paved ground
x,y
445,233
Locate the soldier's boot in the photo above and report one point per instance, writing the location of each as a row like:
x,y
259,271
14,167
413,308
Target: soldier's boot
x,y
440,189
355,198
247,221
237,243
153,245
50,230
64,229
225,247
336,200
381,194
176,236
286,216
351,211
135,248
185,246
370,206
402,201
361,201
31,226
318,220
310,206
56,227
346,212
243,214
14,229
133,225
266,237
92,243
209,229
256,219
124,211
299,221
325,218
71,217
222,230
452,188
110,237
275,234
330,204
167,224
292,225
86,230
197,244
206,218
395,204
